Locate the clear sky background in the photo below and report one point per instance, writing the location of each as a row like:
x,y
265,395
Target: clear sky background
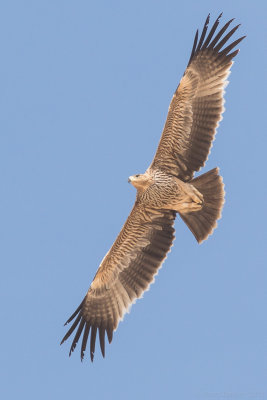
x,y
85,89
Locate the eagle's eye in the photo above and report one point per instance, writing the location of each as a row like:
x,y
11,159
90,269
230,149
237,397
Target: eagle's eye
x,y
137,176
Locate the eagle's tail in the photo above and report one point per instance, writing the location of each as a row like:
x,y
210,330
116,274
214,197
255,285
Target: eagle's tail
x,y
203,222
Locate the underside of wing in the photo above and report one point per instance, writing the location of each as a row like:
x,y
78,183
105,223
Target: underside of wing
x,y
125,273
197,105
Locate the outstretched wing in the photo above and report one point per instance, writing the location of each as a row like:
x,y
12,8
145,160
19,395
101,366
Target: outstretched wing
x,y
197,105
124,274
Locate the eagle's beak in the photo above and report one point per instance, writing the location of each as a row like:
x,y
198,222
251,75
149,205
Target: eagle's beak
x,y
129,179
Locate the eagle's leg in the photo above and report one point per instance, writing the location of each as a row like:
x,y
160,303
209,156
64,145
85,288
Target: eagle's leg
x,y
189,199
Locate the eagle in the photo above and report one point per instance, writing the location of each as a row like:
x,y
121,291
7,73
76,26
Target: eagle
x,y
167,188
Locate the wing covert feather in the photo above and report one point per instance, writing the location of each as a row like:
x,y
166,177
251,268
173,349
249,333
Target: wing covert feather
x,y
125,273
197,105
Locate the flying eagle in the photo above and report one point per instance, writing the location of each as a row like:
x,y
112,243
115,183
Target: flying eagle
x,y
165,189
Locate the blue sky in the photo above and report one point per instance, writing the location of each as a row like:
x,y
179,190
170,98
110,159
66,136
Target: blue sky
x,y
85,89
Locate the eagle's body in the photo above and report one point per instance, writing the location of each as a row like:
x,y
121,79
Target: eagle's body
x,y
159,190
167,187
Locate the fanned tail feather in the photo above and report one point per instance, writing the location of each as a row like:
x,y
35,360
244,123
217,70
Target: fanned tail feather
x,y
202,223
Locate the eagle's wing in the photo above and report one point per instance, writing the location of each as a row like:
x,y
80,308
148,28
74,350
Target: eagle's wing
x,y
124,274
197,105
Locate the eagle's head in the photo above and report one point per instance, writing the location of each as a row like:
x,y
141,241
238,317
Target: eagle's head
x,y
140,181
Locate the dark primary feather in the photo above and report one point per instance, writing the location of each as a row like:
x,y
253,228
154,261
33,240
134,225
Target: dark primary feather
x,y
213,29
204,31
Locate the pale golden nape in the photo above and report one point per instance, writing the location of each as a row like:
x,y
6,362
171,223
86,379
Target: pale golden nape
x,y
141,181
167,187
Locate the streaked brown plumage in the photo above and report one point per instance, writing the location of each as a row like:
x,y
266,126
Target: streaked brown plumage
x,y
166,188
